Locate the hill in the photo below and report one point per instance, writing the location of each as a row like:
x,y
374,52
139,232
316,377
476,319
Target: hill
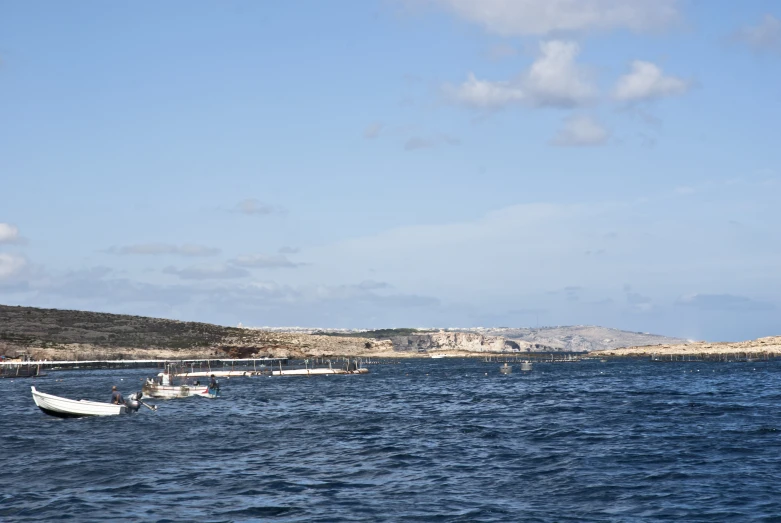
x,y
68,334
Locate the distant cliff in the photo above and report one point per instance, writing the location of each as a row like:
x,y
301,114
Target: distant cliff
x,y
578,338
463,342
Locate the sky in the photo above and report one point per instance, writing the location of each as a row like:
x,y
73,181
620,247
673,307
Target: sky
x,y
396,163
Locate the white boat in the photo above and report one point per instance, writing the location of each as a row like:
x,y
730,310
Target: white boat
x,y
153,389
65,408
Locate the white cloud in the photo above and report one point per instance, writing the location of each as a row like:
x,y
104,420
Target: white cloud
x,y
647,81
265,261
553,80
158,249
9,233
765,36
542,17
484,94
580,131
11,265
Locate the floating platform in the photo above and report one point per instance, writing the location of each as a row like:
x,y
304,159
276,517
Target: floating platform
x,y
268,372
20,370
7,366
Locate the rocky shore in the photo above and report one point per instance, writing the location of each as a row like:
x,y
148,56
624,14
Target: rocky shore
x,y
769,345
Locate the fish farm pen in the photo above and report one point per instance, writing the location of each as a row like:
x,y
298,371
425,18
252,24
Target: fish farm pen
x,y
538,357
227,367
8,368
727,357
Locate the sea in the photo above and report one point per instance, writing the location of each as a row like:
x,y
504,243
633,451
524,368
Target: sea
x,y
415,440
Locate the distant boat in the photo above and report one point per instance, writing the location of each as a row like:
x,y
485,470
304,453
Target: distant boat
x,y
152,389
437,356
66,408
163,386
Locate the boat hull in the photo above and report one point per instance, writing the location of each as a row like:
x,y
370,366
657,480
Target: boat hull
x,y
165,392
67,408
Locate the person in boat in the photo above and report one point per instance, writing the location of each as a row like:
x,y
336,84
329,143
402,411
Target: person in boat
x,y
116,396
214,384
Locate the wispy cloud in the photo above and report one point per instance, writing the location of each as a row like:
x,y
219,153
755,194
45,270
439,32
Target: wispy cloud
x,y
265,261
11,265
370,285
572,292
762,37
541,17
211,296
500,52
372,130
580,131
208,272
723,302
162,249
10,234
417,142
252,206
636,301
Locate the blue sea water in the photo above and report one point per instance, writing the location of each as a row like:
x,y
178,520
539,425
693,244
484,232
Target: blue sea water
x,y
423,440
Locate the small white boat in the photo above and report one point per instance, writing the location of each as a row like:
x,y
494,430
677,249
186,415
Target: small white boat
x,y
153,389
65,408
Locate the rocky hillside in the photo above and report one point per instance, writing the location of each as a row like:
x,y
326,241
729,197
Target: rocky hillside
x,y
65,334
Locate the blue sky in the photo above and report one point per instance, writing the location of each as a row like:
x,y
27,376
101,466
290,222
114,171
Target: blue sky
x,y
396,162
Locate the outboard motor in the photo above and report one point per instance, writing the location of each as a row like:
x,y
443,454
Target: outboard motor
x,y
132,403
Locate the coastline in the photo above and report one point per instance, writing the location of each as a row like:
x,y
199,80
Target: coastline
x,y
768,345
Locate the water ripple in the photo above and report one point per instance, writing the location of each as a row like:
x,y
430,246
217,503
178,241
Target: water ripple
x,y
419,441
